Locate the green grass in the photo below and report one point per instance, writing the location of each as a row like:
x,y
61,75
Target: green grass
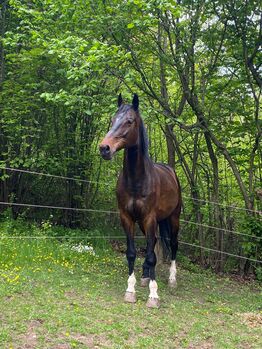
x,y
53,297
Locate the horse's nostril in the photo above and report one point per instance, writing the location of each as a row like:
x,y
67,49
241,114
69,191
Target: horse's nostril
x,y
104,149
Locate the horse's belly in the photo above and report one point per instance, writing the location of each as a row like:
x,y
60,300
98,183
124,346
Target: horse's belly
x,y
168,193
166,204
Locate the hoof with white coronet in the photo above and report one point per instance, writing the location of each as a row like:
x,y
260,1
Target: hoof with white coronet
x,y
130,297
144,282
153,303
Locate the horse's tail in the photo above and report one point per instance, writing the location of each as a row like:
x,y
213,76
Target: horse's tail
x,y
165,236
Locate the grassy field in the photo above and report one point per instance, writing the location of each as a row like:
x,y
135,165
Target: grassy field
x,y
54,296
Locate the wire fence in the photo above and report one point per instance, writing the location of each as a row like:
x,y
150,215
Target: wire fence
x,y
223,205
49,175
3,237
110,237
116,212
108,183
221,252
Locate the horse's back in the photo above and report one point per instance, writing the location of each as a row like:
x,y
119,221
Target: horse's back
x,y
168,176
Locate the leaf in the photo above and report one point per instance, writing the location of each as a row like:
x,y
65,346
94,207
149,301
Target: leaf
x,y
130,25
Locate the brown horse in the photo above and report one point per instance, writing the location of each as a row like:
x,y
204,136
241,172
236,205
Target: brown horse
x,y
147,193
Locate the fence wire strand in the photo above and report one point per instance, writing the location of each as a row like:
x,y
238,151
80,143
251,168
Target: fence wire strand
x,y
219,251
48,175
221,229
57,207
223,205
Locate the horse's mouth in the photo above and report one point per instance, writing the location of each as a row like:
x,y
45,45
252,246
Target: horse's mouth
x,y
107,156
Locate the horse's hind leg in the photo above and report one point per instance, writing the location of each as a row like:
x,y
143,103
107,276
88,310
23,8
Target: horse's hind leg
x,y
174,226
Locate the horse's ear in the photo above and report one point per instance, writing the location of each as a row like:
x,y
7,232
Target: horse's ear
x,y
120,100
135,102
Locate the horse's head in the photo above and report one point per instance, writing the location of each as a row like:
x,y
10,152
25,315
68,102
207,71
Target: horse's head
x,y
124,132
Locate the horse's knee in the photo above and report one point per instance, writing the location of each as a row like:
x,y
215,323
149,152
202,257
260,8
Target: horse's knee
x,y
151,259
131,254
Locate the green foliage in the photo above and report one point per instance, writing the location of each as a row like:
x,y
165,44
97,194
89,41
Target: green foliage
x,y
252,246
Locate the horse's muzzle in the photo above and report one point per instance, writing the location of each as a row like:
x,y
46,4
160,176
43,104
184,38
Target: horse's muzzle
x,y
105,152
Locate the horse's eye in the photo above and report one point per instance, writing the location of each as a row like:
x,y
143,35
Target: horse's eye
x,y
130,121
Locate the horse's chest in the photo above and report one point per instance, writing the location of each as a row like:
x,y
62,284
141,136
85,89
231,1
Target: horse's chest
x,y
136,207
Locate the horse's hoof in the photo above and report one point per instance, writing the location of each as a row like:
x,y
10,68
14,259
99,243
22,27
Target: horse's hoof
x,y
130,297
153,303
172,283
144,282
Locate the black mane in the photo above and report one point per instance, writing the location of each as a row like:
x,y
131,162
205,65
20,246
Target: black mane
x,y
143,139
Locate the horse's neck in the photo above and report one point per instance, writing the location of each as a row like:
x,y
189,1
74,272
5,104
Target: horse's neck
x,y
136,167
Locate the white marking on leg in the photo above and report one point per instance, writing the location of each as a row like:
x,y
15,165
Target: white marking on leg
x,y
153,289
172,275
131,283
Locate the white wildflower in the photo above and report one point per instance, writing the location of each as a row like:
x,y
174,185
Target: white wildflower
x,y
83,248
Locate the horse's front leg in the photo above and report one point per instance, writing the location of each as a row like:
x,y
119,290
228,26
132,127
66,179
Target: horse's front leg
x,y
128,225
150,226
